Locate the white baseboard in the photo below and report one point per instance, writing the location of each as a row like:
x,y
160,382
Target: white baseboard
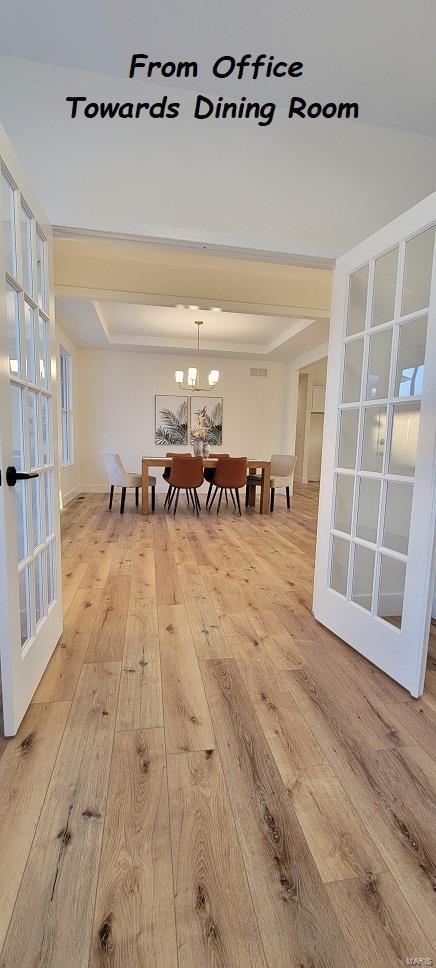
x,y
70,495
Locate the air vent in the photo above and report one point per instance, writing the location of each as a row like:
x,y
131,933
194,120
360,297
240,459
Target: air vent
x,y
258,371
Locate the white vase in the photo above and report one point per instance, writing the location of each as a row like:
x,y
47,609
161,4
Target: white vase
x,y
197,446
206,448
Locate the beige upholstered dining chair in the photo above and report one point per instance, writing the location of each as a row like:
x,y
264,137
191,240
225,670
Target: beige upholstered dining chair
x,y
118,476
282,474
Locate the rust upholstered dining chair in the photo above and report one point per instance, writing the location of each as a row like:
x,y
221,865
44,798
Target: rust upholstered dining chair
x,y
209,475
167,471
230,474
186,475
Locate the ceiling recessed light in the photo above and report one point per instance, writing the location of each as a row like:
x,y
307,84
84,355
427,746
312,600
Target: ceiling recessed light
x,y
193,307
180,306
215,309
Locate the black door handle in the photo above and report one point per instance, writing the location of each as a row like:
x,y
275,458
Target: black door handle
x,y
12,476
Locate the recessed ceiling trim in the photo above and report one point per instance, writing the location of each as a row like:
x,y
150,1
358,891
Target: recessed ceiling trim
x,y
170,299
186,245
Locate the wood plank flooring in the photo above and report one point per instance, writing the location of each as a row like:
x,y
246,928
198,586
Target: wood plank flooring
x,y
206,777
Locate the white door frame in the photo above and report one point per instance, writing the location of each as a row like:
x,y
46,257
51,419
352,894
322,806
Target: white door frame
x,y
400,653
22,668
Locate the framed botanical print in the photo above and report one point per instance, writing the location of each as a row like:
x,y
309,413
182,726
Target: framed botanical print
x,y
206,414
171,420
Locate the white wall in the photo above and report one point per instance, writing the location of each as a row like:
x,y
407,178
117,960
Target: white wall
x,y
116,403
315,446
309,425
69,476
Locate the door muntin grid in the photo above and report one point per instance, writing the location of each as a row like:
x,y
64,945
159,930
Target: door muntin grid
x,y
382,410
31,408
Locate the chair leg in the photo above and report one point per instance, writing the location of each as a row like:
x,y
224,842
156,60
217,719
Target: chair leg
x,y
187,496
111,497
197,502
219,501
288,498
213,498
233,499
271,507
177,499
227,500
246,495
238,500
168,495
172,495
123,499
137,496
208,495
153,498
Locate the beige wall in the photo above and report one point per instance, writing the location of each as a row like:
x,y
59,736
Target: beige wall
x,y
116,402
69,484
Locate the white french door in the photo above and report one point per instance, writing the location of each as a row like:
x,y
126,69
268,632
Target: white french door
x,y
374,572
30,586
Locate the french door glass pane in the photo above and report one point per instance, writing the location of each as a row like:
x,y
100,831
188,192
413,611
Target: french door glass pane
x,y
363,576
29,328
374,438
368,508
339,565
357,301
36,511
45,428
397,516
48,496
33,428
20,508
26,250
411,354
391,590
41,282
13,331
404,442
43,354
352,371
51,587
344,502
417,272
348,424
377,384
384,287
25,623
8,209
17,427
39,587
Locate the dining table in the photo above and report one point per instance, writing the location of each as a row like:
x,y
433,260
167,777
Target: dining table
x,y
254,464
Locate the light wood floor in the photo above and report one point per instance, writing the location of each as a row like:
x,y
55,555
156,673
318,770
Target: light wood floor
x,y
206,777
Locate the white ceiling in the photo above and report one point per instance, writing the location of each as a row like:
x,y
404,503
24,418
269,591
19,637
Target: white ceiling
x,y
381,54
307,188
122,295
164,329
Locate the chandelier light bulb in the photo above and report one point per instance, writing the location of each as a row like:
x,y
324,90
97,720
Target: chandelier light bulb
x,y
179,375
192,375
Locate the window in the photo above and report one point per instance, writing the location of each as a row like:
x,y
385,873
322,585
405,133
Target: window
x,y
66,391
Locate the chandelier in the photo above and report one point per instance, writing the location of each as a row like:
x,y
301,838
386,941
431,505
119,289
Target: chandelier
x,y
194,371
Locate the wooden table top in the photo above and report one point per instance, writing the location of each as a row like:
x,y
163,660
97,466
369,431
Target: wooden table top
x,y
207,461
